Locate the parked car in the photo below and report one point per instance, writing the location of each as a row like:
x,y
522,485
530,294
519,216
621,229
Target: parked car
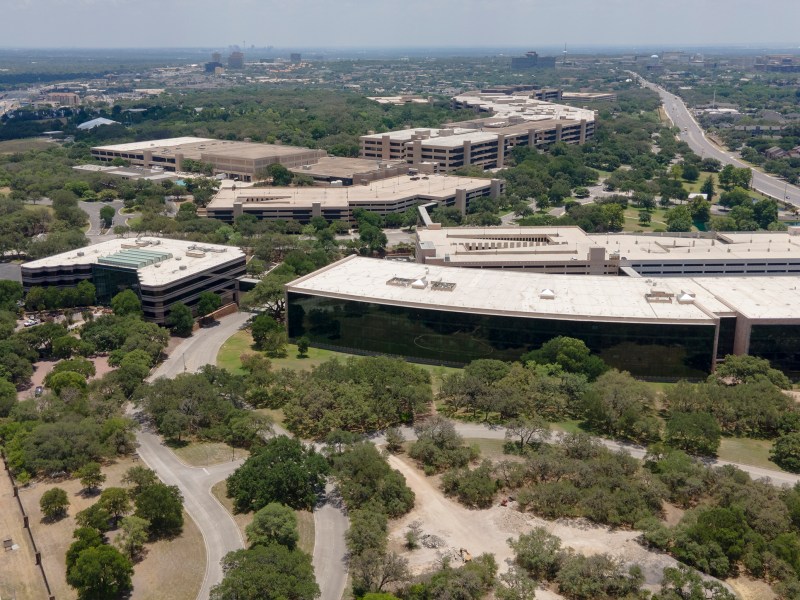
x,y
38,391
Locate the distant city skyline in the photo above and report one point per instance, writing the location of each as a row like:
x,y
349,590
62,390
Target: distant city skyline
x,y
379,23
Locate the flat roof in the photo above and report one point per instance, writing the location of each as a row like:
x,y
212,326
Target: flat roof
x,y
391,189
206,148
598,298
524,105
495,292
566,243
158,261
344,167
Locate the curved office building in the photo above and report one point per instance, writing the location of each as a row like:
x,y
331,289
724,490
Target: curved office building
x,y
666,328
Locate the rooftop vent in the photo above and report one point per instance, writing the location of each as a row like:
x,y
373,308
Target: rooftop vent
x,y
686,297
420,284
547,294
182,267
80,253
659,296
442,286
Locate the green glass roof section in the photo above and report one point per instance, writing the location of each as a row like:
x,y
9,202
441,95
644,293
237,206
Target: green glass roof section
x,y
134,258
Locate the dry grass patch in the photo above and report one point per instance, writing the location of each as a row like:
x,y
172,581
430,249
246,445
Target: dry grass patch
x,y
19,576
14,146
55,538
204,454
305,519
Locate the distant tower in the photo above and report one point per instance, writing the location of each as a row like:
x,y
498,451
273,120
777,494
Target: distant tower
x,y
216,57
236,60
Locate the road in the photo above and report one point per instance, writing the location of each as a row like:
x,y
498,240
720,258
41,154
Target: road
x,y
95,232
693,134
220,533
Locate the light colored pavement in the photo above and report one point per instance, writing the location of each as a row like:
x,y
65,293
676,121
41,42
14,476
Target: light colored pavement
x,y
479,431
220,533
330,549
200,349
693,134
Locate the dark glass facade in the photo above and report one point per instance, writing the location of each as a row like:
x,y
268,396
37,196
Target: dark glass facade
x,y
110,281
780,344
654,350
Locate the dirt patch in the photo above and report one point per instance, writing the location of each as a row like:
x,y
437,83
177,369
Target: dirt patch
x,y
672,514
488,530
19,576
40,370
101,366
53,540
751,589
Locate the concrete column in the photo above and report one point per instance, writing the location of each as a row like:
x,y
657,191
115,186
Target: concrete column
x,y
147,158
597,260
386,147
467,153
583,131
558,132
416,152
501,151
741,339
461,201
316,209
495,188
179,161
237,208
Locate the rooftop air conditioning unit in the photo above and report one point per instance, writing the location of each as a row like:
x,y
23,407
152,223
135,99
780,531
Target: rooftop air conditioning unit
x,y
547,294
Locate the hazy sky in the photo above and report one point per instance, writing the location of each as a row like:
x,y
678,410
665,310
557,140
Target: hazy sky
x,y
426,23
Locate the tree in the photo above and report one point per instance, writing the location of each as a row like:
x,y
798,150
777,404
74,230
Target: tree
x,y
95,516
570,354
100,573
690,172
302,348
283,470
271,572
8,397
696,433
620,406
745,369
90,476
645,217
474,488
140,478
261,329
133,536
107,215
281,176
180,319
54,503
683,583
208,303
786,452
162,506
539,553
439,446
85,537
708,188
679,219
126,303
116,501
10,293
598,576
275,523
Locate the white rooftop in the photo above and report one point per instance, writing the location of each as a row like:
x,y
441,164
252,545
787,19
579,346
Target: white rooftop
x,y
146,145
524,106
598,298
183,258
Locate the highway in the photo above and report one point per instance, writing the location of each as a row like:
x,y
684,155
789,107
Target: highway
x,y
693,134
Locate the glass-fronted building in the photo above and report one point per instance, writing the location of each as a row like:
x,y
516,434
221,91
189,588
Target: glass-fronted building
x,y
663,329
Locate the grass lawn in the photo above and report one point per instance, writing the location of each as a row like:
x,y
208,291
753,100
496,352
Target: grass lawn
x,y
203,454
632,220
38,207
241,342
14,146
305,519
176,564
491,449
748,452
570,426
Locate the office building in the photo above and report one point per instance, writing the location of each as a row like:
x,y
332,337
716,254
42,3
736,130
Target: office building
x,y
237,160
665,327
295,58
384,196
235,60
160,271
532,60
517,120
570,250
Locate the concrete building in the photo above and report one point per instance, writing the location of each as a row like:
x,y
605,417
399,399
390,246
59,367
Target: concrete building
x,y
571,251
236,60
392,195
161,271
532,60
518,120
64,98
666,328
339,170
237,160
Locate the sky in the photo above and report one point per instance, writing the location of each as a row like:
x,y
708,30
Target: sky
x,y
397,23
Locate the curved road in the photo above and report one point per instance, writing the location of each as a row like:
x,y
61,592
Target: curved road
x,y
693,134
220,533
